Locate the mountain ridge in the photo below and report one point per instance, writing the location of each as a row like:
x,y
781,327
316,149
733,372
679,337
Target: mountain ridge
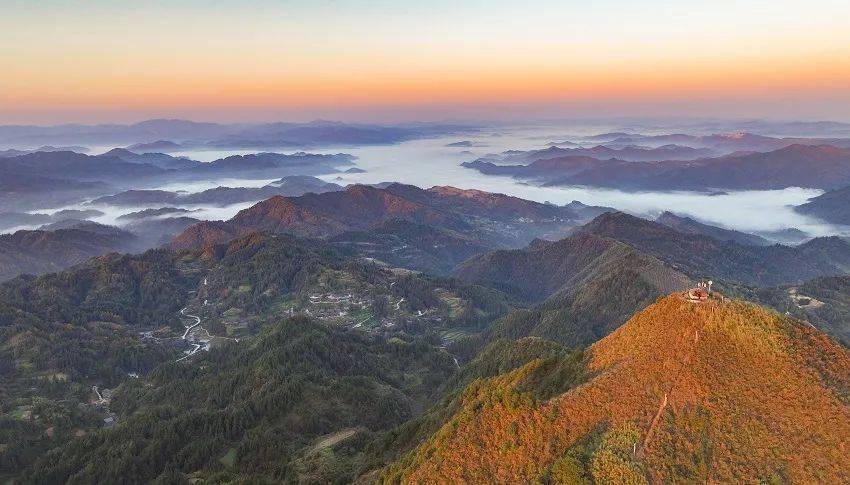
x,y
715,391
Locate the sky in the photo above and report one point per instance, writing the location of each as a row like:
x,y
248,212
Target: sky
x,y
117,60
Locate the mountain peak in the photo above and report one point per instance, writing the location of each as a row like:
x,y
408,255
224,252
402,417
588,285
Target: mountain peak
x,y
616,220
717,391
119,152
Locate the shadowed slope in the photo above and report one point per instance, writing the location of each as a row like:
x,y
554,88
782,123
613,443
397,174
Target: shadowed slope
x,y
700,255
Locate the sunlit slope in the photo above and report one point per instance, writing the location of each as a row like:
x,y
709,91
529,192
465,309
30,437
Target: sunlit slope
x,y
685,392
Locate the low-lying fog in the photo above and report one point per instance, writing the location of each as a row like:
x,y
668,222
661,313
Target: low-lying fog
x,y
430,162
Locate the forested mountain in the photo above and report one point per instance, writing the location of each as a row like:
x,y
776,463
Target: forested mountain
x,y
585,286
120,166
299,342
820,166
129,290
691,226
154,213
410,245
540,269
45,250
704,256
373,335
65,332
493,219
10,220
582,288
160,160
41,251
78,166
832,206
714,391
823,302
269,409
536,272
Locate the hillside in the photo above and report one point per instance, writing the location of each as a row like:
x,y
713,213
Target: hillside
x,y
406,244
823,302
714,392
690,226
796,165
832,206
486,218
362,334
583,287
42,251
539,270
266,405
704,256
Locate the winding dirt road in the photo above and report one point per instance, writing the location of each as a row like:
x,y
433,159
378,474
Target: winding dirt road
x,y
187,337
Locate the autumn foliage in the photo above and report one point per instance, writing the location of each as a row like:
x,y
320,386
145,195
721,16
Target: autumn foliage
x,y
714,392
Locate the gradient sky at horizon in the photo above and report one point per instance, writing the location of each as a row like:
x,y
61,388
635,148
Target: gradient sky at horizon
x,y
121,60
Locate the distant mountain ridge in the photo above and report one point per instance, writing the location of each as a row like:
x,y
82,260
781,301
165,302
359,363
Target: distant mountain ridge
x,y
689,225
289,186
160,133
706,256
43,179
359,207
822,166
43,251
726,142
631,153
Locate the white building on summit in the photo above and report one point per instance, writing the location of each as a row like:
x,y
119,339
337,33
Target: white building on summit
x,y
699,293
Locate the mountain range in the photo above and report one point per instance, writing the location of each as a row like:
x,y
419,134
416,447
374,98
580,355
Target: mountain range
x,y
293,185
702,255
822,166
41,180
156,134
741,141
10,220
494,219
238,166
397,334
602,152
584,286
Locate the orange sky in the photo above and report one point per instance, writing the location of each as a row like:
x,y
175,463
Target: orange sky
x,y
286,57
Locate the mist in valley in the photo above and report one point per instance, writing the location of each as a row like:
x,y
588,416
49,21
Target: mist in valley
x,y
435,161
